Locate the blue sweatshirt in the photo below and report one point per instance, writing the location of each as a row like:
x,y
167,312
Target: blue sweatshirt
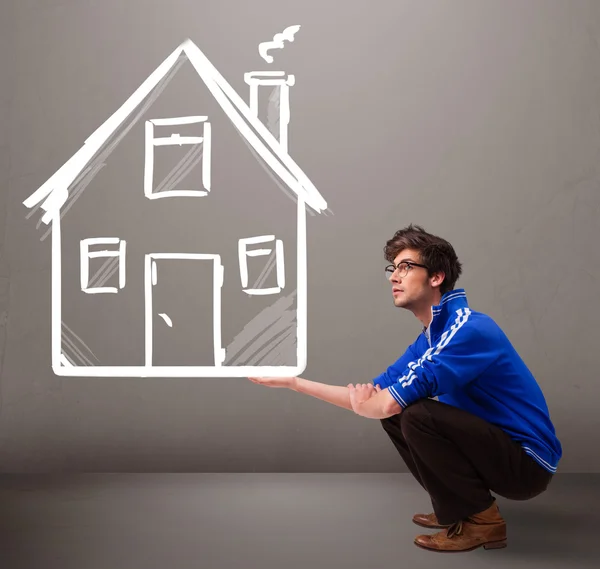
x,y
467,361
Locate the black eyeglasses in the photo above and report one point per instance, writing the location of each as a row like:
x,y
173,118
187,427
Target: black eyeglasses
x,y
402,268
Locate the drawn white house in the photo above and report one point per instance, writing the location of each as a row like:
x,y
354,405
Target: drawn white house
x,y
210,244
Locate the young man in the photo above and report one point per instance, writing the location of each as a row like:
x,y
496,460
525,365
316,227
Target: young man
x,y
461,407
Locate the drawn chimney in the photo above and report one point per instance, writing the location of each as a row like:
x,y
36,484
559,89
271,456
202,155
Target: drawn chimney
x,y
270,101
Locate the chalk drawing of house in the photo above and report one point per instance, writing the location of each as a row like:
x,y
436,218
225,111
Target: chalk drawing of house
x,y
146,232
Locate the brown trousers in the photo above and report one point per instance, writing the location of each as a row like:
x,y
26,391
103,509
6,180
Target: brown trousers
x,y
459,459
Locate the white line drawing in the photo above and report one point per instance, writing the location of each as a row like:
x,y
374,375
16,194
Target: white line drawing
x,y
271,148
244,253
74,349
277,43
167,319
151,280
282,86
176,139
86,255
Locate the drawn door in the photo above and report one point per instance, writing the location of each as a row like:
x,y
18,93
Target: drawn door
x,y
183,310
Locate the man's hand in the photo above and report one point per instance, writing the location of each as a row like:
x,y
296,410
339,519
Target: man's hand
x,y
289,382
361,393
372,402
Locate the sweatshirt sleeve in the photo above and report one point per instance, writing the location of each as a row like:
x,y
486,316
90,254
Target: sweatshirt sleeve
x,y
395,370
459,357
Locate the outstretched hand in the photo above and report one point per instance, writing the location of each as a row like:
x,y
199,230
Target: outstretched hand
x,y
289,382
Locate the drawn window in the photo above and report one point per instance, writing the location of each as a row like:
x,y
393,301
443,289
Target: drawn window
x,y
268,276
176,164
100,267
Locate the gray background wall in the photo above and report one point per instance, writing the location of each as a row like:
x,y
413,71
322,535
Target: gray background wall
x,y
479,120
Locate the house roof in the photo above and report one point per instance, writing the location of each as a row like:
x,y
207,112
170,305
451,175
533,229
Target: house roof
x,y
54,192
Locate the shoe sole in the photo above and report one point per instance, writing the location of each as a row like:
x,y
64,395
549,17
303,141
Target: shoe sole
x,y
489,545
430,526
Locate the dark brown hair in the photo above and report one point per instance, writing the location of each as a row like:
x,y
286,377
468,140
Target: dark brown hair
x,y
434,251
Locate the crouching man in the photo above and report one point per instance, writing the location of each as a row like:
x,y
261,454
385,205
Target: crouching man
x,y
460,405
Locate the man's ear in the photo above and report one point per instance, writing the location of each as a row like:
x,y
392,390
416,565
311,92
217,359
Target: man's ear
x,y
438,278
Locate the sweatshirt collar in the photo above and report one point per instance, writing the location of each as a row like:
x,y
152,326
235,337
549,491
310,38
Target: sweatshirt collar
x,y
450,302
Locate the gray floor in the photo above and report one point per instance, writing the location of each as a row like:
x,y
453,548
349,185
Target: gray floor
x,y
292,521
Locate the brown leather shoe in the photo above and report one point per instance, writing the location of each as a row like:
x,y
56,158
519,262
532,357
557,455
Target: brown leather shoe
x,y
486,529
428,521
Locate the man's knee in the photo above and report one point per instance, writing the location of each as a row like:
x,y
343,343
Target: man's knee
x,y
530,490
391,424
415,412
411,416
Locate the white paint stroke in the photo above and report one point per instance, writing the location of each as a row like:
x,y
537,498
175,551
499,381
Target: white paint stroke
x,y
149,370
284,114
104,272
98,162
179,193
148,158
258,252
175,139
206,156
85,255
264,274
150,280
279,263
273,112
277,43
244,253
212,371
181,170
53,194
113,267
56,186
279,101
301,287
84,178
266,341
56,295
66,361
263,291
277,181
67,331
282,341
178,120
261,329
73,196
167,319
122,263
76,355
257,239
54,190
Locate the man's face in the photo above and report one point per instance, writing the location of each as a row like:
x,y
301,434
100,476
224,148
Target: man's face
x,y
410,289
